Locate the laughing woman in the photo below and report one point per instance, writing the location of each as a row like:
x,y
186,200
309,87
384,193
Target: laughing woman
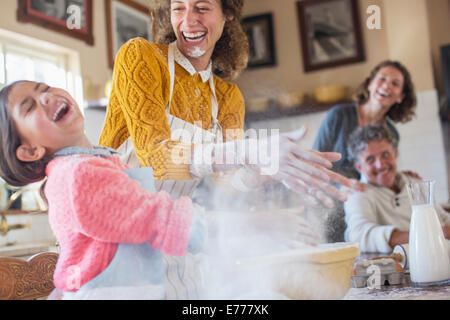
x,y
161,87
175,95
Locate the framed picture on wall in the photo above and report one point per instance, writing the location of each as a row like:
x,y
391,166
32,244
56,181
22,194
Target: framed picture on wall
x,y
330,33
126,19
70,17
259,31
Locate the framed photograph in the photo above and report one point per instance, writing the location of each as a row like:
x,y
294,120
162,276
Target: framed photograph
x,y
125,20
330,33
70,17
259,31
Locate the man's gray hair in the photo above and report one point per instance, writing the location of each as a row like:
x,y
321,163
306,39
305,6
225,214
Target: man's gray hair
x,y
361,136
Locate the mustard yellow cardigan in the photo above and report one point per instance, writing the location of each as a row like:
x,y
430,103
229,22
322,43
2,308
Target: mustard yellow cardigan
x,y
140,94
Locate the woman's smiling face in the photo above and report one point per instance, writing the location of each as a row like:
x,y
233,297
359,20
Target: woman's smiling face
x,y
198,25
386,88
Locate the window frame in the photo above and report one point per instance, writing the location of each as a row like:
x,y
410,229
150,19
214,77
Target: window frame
x,y
67,59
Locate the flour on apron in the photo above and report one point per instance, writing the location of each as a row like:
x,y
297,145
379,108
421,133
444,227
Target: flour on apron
x,y
183,275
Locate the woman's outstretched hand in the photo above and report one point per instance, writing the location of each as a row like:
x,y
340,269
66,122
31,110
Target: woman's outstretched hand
x,y
307,172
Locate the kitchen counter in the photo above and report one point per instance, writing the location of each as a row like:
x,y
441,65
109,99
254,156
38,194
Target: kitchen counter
x,y
403,291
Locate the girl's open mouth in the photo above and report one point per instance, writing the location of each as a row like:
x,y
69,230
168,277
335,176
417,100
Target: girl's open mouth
x,y
63,109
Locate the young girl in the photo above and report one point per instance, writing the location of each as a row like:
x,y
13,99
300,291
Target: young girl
x,y
110,229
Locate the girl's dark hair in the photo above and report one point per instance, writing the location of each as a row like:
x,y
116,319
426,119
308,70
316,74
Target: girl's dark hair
x,y
230,55
12,170
399,112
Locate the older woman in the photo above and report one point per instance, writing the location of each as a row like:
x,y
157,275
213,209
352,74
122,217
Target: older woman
x,y
386,96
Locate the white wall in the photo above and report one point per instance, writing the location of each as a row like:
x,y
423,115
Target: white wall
x,y
422,146
94,119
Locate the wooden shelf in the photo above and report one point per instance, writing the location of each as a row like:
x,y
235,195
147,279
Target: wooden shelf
x,y
276,112
273,111
99,104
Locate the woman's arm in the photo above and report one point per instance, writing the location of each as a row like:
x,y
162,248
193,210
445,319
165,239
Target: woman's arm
x,y
280,158
326,137
137,109
231,110
137,99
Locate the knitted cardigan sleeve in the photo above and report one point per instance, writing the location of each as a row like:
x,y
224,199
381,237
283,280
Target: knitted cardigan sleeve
x,y
137,108
109,206
232,110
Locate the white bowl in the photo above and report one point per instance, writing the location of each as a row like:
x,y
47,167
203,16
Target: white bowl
x,y
322,272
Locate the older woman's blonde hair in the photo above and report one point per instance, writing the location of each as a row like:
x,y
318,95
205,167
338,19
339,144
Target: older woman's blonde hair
x,y
230,55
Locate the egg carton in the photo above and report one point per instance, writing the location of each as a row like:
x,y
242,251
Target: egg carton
x,y
388,270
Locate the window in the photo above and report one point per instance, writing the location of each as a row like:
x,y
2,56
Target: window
x,y
22,63
24,58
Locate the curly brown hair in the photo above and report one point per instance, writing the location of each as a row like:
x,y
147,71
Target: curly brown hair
x,y
230,54
399,112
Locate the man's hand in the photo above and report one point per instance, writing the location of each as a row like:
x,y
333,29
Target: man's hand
x,y
398,237
446,230
412,174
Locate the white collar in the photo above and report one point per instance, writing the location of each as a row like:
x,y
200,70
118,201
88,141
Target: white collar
x,y
181,59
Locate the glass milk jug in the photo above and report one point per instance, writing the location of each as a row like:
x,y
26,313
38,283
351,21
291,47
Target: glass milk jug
x,y
429,263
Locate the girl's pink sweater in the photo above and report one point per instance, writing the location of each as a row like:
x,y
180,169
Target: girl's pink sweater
x,y
94,206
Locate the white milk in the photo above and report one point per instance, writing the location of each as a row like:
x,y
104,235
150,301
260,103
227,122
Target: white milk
x,y
428,257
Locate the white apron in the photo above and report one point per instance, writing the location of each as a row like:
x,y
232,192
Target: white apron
x,y
183,275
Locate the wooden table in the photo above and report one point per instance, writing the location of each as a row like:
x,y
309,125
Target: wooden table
x,y
403,291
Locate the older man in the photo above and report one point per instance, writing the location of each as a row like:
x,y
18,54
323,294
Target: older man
x,y
379,217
